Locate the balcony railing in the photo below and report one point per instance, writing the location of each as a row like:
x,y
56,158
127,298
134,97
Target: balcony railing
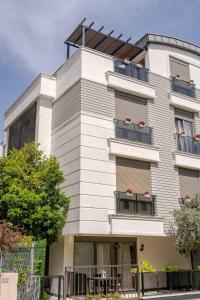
x,y
183,87
131,70
188,144
87,281
135,204
133,132
126,282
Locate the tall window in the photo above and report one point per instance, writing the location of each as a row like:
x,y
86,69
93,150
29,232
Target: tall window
x,y
23,130
179,68
184,123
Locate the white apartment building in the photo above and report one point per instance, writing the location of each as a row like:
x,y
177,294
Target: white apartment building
x,y
123,121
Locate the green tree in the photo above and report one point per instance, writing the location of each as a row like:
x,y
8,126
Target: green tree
x,y
187,220
30,194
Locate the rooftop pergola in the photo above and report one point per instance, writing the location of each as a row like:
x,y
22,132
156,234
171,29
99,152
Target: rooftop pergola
x,y
97,40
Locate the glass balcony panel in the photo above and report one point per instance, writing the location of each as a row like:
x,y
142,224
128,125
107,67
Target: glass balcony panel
x,y
131,70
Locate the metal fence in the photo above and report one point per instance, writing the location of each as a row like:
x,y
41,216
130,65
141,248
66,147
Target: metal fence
x,y
30,290
188,144
54,287
134,132
85,281
183,87
169,282
131,70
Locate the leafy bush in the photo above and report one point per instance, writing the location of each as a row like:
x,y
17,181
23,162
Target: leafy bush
x,y
171,268
147,267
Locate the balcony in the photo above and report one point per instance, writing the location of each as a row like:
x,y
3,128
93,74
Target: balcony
x,y
183,87
131,70
188,144
135,204
133,132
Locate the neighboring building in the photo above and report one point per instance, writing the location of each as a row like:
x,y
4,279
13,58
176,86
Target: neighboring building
x,y
81,114
1,149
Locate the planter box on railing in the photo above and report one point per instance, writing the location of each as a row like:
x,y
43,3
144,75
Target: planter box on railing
x,y
133,132
182,87
135,204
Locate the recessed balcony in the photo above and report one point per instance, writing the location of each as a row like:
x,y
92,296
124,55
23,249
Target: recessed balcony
x,y
188,152
130,78
135,204
183,87
133,132
188,144
131,70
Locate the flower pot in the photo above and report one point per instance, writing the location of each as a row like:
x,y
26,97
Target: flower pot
x,y
127,121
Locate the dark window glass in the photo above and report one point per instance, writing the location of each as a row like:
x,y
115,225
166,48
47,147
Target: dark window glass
x,y
23,130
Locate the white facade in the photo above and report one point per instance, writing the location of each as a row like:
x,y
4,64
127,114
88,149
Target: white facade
x,y
83,139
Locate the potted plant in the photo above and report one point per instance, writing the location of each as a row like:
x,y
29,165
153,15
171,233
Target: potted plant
x,y
191,82
127,61
146,194
183,133
141,123
139,66
127,121
129,192
177,77
197,137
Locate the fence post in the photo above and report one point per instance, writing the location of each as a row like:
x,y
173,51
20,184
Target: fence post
x,y
65,285
138,283
32,258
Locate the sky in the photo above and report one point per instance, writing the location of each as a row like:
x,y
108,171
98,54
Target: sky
x,y
32,32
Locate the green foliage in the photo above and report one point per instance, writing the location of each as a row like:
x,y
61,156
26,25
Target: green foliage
x,y
30,194
26,241
187,220
171,268
39,262
108,296
113,296
44,296
198,268
22,277
147,267
94,297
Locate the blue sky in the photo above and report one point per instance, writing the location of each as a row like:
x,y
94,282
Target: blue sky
x,y
32,32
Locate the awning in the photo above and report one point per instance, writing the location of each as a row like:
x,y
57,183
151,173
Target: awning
x,y
102,42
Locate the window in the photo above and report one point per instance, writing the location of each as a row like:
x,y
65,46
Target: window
x,y
180,68
23,130
189,182
130,106
133,174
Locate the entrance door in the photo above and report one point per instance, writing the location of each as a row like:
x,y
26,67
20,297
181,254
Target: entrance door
x,y
127,256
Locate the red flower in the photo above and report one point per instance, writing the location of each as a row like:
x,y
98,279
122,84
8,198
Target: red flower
x,y
129,191
146,194
141,123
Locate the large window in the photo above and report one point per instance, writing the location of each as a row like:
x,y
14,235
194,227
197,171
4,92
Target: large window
x,y
23,130
179,68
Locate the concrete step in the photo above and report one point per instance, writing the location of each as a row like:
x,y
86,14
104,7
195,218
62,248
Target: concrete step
x,y
178,296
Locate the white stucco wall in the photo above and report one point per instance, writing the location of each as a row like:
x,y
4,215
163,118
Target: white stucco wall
x,y
158,61
160,252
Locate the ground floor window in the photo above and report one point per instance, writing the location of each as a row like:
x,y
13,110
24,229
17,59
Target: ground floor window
x,y
104,253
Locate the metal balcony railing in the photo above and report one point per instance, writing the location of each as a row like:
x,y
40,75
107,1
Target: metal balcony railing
x,y
131,70
133,132
188,144
183,87
135,204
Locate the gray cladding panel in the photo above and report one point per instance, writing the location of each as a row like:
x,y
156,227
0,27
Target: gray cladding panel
x,y
97,98
67,105
164,175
